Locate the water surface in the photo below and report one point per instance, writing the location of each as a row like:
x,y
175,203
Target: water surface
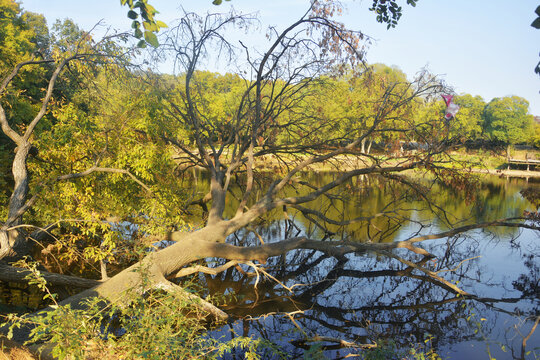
x,y
367,297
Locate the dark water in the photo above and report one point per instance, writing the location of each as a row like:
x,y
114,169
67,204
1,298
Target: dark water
x,y
367,298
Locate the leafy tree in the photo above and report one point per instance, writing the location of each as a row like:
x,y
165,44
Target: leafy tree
x,y
17,37
508,120
358,102
468,124
428,113
536,136
22,127
22,35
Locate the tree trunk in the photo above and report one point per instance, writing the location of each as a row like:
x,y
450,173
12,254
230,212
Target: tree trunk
x,y
13,243
18,275
20,191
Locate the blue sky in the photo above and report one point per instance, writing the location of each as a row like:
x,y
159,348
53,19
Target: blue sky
x,y
480,47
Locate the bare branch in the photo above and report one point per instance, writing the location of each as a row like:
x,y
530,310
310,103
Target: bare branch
x,y
19,275
204,269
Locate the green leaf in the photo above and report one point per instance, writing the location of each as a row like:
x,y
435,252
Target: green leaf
x,y
536,23
135,25
151,38
216,2
537,11
150,9
161,24
141,44
132,14
138,33
150,26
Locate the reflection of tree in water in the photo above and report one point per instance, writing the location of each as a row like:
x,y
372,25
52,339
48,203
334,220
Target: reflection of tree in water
x,y
363,298
529,284
382,209
379,208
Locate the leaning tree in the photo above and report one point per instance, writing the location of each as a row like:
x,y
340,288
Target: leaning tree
x,y
275,117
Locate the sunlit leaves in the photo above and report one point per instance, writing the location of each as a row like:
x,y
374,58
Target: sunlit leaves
x,y
151,38
469,124
141,12
352,103
114,130
507,119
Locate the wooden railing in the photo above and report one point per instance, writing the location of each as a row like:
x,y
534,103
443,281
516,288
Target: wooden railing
x,y
527,161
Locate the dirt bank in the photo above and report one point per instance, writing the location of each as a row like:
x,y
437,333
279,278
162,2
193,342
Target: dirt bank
x,y
509,173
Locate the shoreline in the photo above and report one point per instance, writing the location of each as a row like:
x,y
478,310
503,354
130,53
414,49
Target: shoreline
x,y
343,163
509,173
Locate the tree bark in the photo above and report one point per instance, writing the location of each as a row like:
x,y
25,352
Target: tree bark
x,y
14,274
13,244
13,241
368,150
20,190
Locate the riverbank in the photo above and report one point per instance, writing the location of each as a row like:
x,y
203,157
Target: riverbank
x,y
482,162
509,173
345,163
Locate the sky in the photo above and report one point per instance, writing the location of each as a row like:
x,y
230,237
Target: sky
x,y
479,47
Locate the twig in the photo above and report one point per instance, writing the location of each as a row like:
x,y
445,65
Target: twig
x,y
425,271
526,338
458,265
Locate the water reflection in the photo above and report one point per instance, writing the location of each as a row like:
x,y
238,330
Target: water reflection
x,y
367,297
362,298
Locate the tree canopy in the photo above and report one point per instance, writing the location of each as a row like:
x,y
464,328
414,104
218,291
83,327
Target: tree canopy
x,y
508,119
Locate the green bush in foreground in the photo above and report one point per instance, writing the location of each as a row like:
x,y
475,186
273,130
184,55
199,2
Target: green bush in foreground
x,y
151,324
158,325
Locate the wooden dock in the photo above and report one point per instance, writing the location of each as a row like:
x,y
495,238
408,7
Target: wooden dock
x,y
528,162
